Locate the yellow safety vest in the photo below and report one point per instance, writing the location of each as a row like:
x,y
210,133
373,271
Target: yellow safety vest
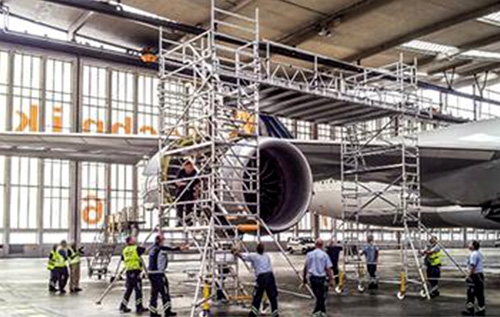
x,y
59,261
74,257
51,264
435,258
131,258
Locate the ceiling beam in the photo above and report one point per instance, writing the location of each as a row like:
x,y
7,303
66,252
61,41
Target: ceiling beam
x,y
453,65
83,36
78,24
492,79
481,68
116,11
482,42
72,48
312,28
425,30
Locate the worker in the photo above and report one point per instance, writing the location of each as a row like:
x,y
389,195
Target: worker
x,y
158,263
265,281
74,255
61,266
185,193
54,258
333,250
370,251
475,281
318,266
131,257
433,262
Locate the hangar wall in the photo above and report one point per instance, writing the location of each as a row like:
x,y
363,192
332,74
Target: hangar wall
x,y
42,200
45,200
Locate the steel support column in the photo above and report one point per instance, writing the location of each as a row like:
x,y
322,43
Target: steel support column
x,y
74,217
109,114
8,161
135,172
40,162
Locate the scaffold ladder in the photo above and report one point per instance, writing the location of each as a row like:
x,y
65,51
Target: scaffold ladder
x,y
387,153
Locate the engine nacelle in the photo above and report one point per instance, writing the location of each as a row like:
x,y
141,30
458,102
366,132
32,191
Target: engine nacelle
x,y
286,182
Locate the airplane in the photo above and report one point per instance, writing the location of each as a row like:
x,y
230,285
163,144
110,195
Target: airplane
x,y
459,166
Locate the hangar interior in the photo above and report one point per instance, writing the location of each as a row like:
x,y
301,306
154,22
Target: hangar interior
x,y
43,200
75,67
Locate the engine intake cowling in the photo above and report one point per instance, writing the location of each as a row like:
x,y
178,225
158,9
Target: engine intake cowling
x,y
285,182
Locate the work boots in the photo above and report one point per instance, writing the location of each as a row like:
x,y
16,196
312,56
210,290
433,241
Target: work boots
x,y
140,309
125,309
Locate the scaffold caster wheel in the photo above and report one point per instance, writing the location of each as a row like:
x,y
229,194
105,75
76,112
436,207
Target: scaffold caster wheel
x,y
361,288
423,294
111,279
99,276
338,290
401,295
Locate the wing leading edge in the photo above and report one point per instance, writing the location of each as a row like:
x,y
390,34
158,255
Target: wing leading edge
x,y
89,147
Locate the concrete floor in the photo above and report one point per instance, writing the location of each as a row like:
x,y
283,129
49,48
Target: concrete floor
x,y
23,292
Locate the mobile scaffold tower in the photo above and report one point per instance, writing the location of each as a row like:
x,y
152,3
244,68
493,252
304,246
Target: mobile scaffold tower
x,y
213,120
385,152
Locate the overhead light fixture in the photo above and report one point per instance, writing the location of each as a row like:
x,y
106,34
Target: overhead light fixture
x,y
325,32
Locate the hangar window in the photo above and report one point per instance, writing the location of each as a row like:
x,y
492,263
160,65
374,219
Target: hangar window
x,y
4,88
122,189
95,107
303,130
24,191
58,96
147,116
26,99
93,197
2,183
122,102
94,99
176,99
324,132
147,122
289,124
27,92
56,198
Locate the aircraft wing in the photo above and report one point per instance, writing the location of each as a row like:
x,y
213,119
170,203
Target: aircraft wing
x,y
441,151
89,147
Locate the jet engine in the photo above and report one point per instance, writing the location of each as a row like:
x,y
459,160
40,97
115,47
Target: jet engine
x,y
286,182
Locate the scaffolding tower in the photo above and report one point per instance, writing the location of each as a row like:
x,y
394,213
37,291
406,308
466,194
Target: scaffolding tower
x,y
386,152
209,115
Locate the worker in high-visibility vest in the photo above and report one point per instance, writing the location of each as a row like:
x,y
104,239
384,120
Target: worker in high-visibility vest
x,y
131,257
433,262
61,266
51,266
74,255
